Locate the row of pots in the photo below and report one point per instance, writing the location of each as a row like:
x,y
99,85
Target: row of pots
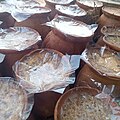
x,y
73,45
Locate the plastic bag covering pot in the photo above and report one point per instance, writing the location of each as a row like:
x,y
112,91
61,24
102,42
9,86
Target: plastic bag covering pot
x,y
104,61
72,27
15,102
112,41
68,36
18,38
73,11
85,103
44,70
15,42
20,9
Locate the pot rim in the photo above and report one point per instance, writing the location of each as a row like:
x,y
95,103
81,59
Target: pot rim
x,y
114,47
4,51
61,100
70,37
110,15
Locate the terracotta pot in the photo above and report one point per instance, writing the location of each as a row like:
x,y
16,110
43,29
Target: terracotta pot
x,y
104,64
20,99
65,44
88,77
31,117
7,19
37,63
44,104
110,30
13,52
89,4
110,17
70,96
93,8
112,41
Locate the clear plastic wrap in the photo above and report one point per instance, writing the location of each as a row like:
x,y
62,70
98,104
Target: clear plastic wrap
x,y
15,102
22,9
71,10
69,26
113,102
113,41
45,69
18,38
103,60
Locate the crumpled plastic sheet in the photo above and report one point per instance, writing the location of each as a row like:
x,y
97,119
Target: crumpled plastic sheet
x,y
113,103
22,9
71,10
108,93
18,38
92,55
69,26
46,70
27,107
103,60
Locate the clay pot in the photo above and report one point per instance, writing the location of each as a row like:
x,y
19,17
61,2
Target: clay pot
x,y
110,30
65,44
110,17
20,99
112,41
31,117
44,104
107,73
5,16
7,19
88,77
16,50
89,4
37,63
93,8
70,96
68,35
